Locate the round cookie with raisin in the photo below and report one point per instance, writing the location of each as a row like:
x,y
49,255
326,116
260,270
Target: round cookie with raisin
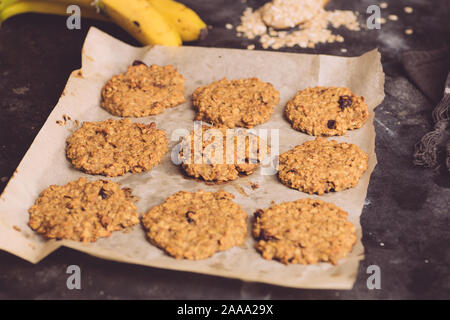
x,y
305,231
326,111
219,154
83,211
195,225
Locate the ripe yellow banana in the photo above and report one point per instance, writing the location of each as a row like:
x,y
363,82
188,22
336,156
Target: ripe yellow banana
x,y
142,21
82,3
186,21
163,22
19,7
6,3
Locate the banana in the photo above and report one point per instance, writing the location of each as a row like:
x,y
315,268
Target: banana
x,y
186,21
6,3
163,22
82,3
19,7
142,21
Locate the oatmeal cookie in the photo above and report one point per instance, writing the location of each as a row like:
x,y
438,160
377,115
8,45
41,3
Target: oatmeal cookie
x,y
83,211
305,231
236,103
220,154
143,91
326,111
195,225
115,147
322,165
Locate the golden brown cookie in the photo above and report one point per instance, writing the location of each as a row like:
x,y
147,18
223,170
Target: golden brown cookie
x,y
236,103
326,111
115,147
322,165
195,225
305,231
221,154
143,91
83,211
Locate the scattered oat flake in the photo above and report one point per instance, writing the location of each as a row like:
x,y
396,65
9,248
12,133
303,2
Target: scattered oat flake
x,y
240,190
382,244
17,228
343,50
383,5
408,9
393,17
59,122
229,26
251,47
21,90
409,31
310,32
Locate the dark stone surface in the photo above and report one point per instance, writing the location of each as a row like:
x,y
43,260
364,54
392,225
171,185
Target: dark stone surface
x,y
406,229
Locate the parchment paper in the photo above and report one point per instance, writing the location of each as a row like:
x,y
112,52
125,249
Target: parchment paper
x,y
102,57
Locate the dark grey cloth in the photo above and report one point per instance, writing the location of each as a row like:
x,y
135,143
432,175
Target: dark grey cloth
x,y
435,145
428,70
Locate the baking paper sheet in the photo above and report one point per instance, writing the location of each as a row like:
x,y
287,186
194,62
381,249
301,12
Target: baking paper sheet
x,y
102,57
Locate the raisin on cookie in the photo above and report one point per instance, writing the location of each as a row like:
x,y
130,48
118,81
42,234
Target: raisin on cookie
x,y
115,147
220,154
305,231
236,103
326,111
83,211
195,225
322,165
143,91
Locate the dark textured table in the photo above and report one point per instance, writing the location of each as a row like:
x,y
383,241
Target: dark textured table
x,y
406,229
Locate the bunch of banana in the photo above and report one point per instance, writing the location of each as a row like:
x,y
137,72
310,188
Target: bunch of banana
x,y
164,22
